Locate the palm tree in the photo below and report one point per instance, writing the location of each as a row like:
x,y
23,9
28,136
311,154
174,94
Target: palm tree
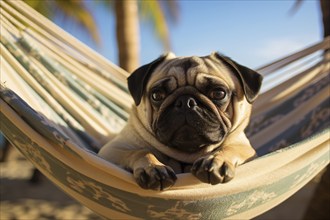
x,y
325,13
325,9
127,28
127,13
127,33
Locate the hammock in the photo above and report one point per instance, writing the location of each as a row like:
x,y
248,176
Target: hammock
x,y
60,100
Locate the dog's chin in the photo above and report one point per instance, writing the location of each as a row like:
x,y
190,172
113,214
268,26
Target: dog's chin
x,y
187,139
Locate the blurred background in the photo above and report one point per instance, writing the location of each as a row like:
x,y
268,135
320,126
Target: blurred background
x,y
130,33
251,32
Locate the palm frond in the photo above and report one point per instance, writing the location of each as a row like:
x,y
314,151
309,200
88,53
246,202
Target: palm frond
x,y
78,11
297,4
152,12
74,10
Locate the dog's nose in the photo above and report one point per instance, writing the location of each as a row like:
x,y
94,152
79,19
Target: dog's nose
x,y
185,102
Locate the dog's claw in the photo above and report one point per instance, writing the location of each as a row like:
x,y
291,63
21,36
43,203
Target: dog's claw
x,y
213,170
155,177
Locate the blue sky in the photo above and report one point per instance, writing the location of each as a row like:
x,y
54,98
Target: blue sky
x,y
251,32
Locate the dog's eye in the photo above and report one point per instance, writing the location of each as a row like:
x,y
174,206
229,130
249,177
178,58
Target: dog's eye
x,y
158,95
217,94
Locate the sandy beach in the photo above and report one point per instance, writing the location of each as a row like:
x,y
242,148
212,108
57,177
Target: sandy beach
x,y
22,199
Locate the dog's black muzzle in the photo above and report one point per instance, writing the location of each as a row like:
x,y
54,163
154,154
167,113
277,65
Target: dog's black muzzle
x,y
189,125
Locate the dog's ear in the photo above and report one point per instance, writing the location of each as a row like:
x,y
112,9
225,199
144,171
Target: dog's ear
x,y
137,81
250,79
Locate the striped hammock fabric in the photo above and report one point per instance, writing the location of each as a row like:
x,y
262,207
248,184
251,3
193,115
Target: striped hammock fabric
x,y
60,101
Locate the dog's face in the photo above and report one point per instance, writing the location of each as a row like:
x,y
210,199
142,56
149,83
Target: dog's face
x,y
190,103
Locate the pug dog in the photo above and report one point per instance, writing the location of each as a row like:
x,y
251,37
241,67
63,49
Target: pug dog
x,y
189,114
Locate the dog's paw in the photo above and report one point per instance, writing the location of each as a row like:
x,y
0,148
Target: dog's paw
x,y
213,169
155,177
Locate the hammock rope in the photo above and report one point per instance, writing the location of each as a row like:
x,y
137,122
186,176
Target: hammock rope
x,y
60,101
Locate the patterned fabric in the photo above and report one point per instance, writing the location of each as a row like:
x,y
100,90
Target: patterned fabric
x,y
59,104
311,123
155,206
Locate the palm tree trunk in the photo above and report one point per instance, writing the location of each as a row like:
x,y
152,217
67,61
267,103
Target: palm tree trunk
x,y
325,8
127,31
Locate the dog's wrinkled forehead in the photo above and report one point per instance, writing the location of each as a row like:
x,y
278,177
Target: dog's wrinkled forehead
x,y
187,70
